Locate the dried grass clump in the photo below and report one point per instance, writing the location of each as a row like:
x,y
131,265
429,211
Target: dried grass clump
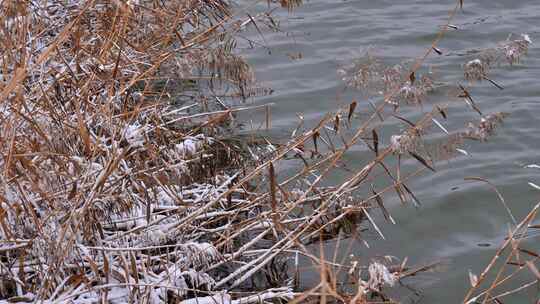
x,y
111,142
122,179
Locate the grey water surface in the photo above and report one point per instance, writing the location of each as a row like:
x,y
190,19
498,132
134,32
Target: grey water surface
x,y
461,223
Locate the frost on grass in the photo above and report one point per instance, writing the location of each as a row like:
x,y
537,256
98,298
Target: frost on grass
x,y
134,134
476,70
379,276
192,144
118,145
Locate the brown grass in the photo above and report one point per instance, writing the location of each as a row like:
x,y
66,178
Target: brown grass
x,y
123,179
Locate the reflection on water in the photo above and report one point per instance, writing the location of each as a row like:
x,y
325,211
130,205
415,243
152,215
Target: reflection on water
x,y
460,222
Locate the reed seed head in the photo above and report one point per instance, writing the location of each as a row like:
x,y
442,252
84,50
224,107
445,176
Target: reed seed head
x,y
515,49
475,70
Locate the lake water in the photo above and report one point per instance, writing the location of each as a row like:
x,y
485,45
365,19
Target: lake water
x,y
456,216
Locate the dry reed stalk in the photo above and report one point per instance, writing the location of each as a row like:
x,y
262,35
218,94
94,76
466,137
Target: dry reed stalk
x,y
514,241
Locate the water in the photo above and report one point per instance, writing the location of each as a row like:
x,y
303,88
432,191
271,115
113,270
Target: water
x,y
456,216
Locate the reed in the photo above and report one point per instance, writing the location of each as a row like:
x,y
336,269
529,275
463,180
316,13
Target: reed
x,y
123,179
